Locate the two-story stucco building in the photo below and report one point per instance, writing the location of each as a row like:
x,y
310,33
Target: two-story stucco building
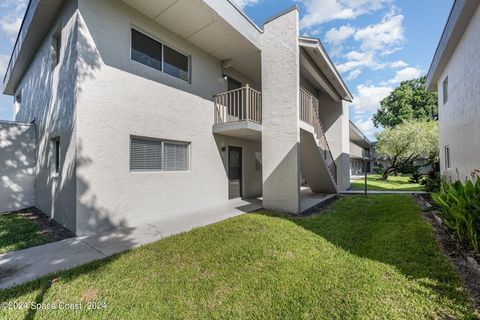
x,y
455,75
145,110
360,151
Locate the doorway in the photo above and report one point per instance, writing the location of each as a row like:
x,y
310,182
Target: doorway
x,y
234,172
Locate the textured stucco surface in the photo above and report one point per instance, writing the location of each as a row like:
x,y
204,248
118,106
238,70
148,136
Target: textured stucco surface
x,y
145,102
459,117
280,96
17,166
335,122
48,98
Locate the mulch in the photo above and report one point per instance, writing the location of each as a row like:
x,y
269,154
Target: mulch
x,y
47,226
469,276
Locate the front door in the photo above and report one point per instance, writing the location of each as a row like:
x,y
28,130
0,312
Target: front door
x,y
234,172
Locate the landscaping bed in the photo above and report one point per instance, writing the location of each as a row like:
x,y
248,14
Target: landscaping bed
x,y
28,228
359,258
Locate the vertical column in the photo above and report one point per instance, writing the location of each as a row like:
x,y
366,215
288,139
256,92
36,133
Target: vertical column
x,y
280,98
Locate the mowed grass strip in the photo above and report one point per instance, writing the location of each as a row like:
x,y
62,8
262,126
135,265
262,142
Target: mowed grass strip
x,y
400,183
17,232
359,259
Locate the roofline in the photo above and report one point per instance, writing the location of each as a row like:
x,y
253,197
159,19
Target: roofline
x,y
281,13
329,60
240,10
461,10
360,133
16,40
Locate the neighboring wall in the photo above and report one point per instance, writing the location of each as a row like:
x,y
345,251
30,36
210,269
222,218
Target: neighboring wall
x,y
117,98
356,151
459,117
48,99
17,166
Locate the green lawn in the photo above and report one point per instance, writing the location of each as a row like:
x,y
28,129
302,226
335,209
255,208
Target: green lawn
x,y
400,183
359,259
17,232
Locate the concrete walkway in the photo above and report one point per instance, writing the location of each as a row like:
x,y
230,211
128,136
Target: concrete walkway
x,y
382,192
21,266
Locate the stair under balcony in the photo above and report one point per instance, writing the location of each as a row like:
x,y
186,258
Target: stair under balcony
x,y
238,113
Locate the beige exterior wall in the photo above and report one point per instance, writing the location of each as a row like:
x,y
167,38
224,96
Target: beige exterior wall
x,y
17,166
459,116
145,102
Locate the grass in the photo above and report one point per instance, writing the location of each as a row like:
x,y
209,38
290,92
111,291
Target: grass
x,y
17,232
359,259
400,183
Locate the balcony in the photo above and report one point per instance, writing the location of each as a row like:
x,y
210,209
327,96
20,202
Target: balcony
x,y
238,113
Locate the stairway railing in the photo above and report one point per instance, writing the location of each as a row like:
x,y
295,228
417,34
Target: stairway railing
x,y
309,114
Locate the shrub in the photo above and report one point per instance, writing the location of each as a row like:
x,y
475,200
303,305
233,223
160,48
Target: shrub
x,y
416,176
432,182
461,210
379,169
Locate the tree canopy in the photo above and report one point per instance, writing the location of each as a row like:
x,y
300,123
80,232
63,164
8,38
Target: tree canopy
x,y
407,142
409,101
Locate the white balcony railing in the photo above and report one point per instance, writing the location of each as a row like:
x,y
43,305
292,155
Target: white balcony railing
x,y
236,105
309,113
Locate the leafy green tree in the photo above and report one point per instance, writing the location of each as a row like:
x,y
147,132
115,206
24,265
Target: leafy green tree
x,y
407,142
409,101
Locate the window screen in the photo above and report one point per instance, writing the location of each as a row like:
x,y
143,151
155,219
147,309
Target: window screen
x,y
158,155
175,63
445,90
176,156
145,154
146,50
447,157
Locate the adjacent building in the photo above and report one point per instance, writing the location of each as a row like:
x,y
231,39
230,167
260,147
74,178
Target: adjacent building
x,y
455,75
146,110
360,151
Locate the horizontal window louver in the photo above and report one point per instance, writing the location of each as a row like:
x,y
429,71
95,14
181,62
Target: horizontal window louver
x,y
145,154
176,157
158,155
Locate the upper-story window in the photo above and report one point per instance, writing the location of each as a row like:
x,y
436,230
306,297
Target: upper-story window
x,y
445,90
56,46
160,56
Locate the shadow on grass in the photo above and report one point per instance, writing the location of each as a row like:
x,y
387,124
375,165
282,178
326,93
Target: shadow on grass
x,y
387,229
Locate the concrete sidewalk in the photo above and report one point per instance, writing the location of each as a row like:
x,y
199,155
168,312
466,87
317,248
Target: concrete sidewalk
x,y
21,266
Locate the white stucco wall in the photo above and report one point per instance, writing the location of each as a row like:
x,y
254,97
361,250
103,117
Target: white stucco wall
x,y
459,117
118,97
280,103
335,121
17,166
356,151
48,98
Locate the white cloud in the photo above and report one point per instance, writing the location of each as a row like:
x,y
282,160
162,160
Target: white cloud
x,y
384,36
398,64
336,36
358,60
367,99
245,3
408,73
366,126
11,17
320,11
354,74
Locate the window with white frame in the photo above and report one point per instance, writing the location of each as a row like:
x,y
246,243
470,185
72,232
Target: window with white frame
x,y
447,157
56,156
159,56
158,155
445,90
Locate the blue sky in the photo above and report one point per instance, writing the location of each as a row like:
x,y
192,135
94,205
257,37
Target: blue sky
x,y
375,44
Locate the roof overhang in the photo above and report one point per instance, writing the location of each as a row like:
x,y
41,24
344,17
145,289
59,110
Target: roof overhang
x,y
332,79
39,17
357,137
460,16
217,27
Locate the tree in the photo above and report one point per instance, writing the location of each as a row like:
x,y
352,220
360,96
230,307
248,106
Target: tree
x,y
407,142
409,101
